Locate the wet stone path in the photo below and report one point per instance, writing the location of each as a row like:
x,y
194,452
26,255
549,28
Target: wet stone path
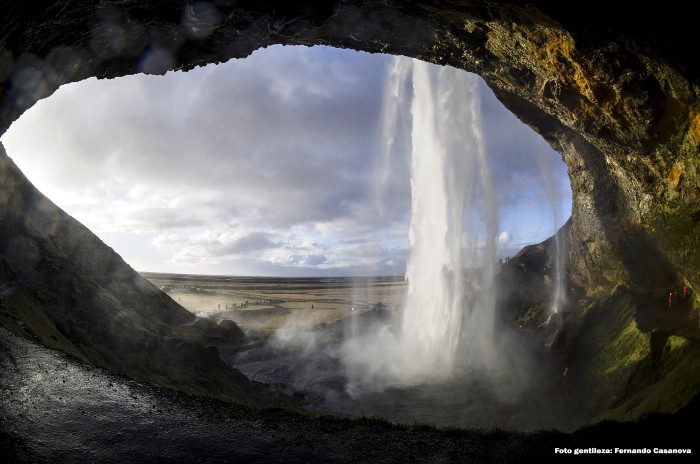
x,y
55,409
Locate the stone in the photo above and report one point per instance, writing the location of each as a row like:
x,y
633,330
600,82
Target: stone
x,y
615,92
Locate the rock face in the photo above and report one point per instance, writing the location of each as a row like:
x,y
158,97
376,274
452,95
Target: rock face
x,y
616,93
61,286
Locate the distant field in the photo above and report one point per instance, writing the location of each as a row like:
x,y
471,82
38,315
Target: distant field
x,y
263,304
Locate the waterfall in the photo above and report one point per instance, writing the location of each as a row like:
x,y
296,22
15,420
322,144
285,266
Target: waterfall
x,y
447,318
394,121
449,175
558,253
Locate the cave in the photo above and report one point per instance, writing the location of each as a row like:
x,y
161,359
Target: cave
x,y
614,92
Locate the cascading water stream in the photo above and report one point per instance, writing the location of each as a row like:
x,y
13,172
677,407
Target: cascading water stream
x,y
438,357
447,318
558,297
395,121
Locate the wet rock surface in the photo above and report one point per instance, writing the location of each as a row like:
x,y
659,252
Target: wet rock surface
x,y
616,94
55,409
613,89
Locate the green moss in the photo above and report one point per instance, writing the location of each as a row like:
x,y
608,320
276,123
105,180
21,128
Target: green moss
x,y
616,347
611,359
676,343
534,316
29,320
611,371
628,349
609,273
678,382
675,229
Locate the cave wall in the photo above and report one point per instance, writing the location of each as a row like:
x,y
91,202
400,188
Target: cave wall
x,y
616,94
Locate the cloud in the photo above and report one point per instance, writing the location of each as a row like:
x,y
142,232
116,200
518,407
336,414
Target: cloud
x,y
504,238
254,241
271,164
310,260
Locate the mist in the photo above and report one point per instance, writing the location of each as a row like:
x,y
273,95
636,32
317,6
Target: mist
x,y
437,183
441,348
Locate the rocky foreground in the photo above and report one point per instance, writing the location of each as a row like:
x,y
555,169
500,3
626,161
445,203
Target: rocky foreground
x,y
617,93
55,409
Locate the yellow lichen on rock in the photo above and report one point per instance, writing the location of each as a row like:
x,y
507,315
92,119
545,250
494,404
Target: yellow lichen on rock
x,y
694,129
556,54
674,175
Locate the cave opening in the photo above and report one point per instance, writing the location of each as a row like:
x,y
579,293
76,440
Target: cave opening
x,y
616,94
267,168
153,164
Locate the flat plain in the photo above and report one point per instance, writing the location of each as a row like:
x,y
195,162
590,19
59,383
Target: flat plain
x,y
261,305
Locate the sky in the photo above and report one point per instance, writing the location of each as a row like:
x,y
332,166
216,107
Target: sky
x,y
267,165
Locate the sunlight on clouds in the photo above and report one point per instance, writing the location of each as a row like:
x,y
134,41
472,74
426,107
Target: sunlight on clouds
x,y
265,165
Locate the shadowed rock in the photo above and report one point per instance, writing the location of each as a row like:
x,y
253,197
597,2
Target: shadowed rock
x,y
616,94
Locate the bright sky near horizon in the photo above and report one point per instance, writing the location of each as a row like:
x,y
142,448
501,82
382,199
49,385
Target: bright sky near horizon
x,y
260,166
